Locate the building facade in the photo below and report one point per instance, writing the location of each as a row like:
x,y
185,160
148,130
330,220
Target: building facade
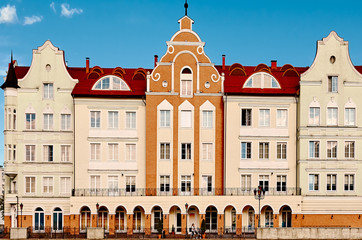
x,y
185,142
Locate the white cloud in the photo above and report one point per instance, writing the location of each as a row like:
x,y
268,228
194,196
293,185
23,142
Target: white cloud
x,y
52,6
68,12
8,14
33,19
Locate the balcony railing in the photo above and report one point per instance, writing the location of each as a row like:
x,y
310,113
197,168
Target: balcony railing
x,y
121,192
12,191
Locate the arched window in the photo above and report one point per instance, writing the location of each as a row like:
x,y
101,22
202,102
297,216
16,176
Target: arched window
x,y
111,83
268,217
57,219
211,219
103,217
251,222
137,219
85,218
157,216
14,119
261,80
39,219
186,82
121,220
286,216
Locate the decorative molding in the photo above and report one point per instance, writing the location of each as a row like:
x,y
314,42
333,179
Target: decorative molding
x,y
310,83
177,43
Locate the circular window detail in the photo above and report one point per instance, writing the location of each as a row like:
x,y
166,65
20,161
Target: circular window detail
x,y
207,84
48,67
332,59
164,83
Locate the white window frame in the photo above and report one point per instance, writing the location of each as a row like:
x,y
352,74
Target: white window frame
x,y
163,183
165,118
47,159
97,182
348,119
279,119
264,178
187,146
48,185
314,150
113,151
248,122
207,118
48,121
186,78
248,150
65,122
67,153
32,149
264,118
131,189
265,154
186,118
331,121
333,84
113,184
331,150
34,182
95,116
349,182
113,118
95,153
247,187
331,185
187,181
281,188
314,121
32,123
209,151
314,184
131,120
163,155
349,150
283,147
48,91
129,147
65,187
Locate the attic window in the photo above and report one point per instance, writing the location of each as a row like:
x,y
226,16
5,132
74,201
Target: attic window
x,y
261,80
186,71
111,83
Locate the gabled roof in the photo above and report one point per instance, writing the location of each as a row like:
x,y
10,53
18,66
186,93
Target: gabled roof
x,y
11,79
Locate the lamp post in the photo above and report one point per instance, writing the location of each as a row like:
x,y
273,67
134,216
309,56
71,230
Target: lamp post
x,y
21,214
186,206
97,206
259,194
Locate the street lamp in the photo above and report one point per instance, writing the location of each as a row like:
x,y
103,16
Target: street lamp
x,y
21,214
259,194
186,206
97,206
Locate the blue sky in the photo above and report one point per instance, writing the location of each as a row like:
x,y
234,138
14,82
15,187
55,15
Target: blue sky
x,y
128,33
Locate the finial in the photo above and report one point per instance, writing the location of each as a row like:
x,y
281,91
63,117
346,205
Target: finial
x,y
11,56
186,6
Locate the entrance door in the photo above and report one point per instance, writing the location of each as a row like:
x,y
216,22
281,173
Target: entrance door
x,y
286,219
13,216
178,222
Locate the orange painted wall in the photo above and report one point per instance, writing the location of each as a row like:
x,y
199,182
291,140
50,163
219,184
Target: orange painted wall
x,y
326,220
220,224
239,223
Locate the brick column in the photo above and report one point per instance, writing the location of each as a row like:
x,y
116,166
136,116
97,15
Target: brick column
x,y
275,220
74,224
220,224
183,224
166,224
48,223
148,224
239,224
129,224
256,220
94,220
112,223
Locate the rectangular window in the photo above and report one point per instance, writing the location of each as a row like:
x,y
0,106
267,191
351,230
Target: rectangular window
x,y
350,116
65,122
131,120
349,182
47,184
113,151
245,150
313,149
207,117
30,153
264,117
314,115
263,150
131,152
207,183
282,117
333,84
245,182
48,121
113,119
264,182
349,149
65,153
165,151
186,184
48,91
186,86
48,153
207,151
95,151
331,182
95,182
30,121
95,119
186,118
30,184
332,117
331,149
245,117
130,183
281,183
113,184
14,152
65,185
186,151
313,182
281,150
165,118
164,183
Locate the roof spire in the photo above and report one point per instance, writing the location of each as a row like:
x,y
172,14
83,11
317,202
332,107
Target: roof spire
x,y
11,55
186,6
11,79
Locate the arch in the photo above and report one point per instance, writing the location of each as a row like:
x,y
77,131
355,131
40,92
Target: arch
x,y
247,207
103,208
262,66
283,206
236,65
186,70
120,207
285,219
111,82
266,217
229,205
286,67
210,206
139,207
155,206
119,71
57,209
291,72
264,207
57,221
211,218
185,52
84,218
261,80
120,219
95,72
84,208
39,219
185,30
103,220
139,74
230,218
237,72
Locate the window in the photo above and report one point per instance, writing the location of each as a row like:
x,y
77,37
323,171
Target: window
x,y
264,117
48,121
313,149
131,152
313,182
14,152
165,118
332,118
164,183
282,116
48,153
331,149
186,183
264,182
95,182
85,218
186,83
95,119
30,153
331,182
281,183
185,151
95,151
113,151
165,151
263,150
29,184
349,149
211,219
14,119
131,120
111,83
65,185
314,115
349,182
39,219
207,184
30,121
48,91
130,184
65,122
121,219
157,217
333,84
245,182
350,116
112,119
245,150
186,118
65,153
207,117
47,184
113,185
57,219
281,150
245,117
207,151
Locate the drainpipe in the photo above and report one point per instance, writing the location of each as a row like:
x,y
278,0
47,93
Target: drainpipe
x,y
296,142
225,129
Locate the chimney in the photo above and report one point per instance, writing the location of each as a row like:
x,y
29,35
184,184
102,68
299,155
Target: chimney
x,y
223,62
156,60
273,64
87,65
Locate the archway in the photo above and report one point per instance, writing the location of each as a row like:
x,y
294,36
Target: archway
x,y
121,219
211,219
229,219
85,218
286,216
248,219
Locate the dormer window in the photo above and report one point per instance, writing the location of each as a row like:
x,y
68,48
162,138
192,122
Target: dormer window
x,y
111,83
186,83
261,80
